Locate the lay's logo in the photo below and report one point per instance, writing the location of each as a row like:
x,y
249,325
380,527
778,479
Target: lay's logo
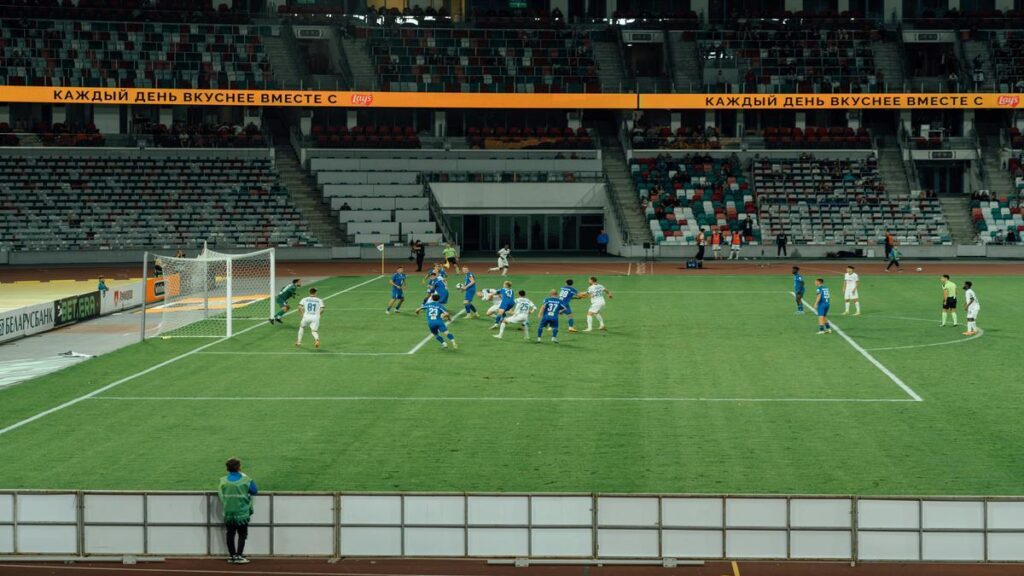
x,y
362,99
1008,101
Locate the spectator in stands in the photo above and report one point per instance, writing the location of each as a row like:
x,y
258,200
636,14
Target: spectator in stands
x,y
236,491
602,242
1011,237
781,241
158,268
419,251
345,206
102,288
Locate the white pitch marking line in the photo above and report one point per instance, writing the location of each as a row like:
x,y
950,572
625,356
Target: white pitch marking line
x,y
486,399
896,379
946,343
103,389
307,353
702,292
430,337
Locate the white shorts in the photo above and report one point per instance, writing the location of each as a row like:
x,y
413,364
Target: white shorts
x,y
972,310
502,262
518,319
716,247
595,307
735,248
852,295
313,323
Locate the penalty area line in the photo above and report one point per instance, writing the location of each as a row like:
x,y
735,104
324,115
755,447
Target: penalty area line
x,y
430,337
490,399
117,383
867,355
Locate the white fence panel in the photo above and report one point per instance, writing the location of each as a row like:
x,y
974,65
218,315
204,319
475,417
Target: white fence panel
x,y
692,512
371,510
499,542
756,512
304,510
1006,516
114,509
888,545
953,515
115,539
614,543
756,544
821,513
177,509
47,539
821,544
47,508
436,510
257,544
498,510
6,539
304,540
949,546
371,541
562,542
435,542
612,511
692,543
561,510
1006,547
888,514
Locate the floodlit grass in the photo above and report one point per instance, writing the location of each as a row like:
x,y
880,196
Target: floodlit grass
x,y
703,384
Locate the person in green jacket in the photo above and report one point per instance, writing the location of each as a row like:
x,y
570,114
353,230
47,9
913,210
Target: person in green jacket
x,y
236,492
451,256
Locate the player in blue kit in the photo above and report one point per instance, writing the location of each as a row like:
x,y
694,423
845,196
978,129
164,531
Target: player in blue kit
x,y
508,300
441,288
431,282
566,295
821,304
548,314
798,289
469,287
436,316
397,291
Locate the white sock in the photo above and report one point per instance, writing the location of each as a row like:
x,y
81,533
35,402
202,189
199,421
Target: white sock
x,y
944,314
492,269
599,319
501,329
857,304
316,335
301,330
954,318
590,322
526,330
847,309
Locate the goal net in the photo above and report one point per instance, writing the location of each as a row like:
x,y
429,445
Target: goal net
x,y
213,295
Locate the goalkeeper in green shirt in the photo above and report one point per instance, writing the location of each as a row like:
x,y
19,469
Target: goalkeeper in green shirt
x,y
236,491
282,299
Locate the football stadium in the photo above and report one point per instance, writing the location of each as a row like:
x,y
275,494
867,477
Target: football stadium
x,y
502,287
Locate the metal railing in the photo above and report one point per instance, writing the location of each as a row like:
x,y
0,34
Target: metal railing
x,y
439,215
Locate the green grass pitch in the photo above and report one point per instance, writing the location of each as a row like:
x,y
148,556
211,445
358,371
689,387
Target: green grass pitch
x,y
703,384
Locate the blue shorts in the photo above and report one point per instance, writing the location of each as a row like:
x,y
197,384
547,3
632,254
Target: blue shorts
x,y
823,310
470,293
436,327
545,322
507,305
444,298
799,295
568,309
396,293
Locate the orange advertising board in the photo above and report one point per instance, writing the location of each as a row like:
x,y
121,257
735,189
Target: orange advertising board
x,y
467,100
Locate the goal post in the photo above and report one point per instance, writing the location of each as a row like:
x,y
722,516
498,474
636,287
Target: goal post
x,y
214,295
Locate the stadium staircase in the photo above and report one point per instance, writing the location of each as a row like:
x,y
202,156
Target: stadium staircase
x,y
891,168
957,210
976,48
610,70
686,66
888,61
364,77
997,177
284,61
306,196
623,192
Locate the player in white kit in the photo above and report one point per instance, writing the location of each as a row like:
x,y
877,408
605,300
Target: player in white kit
x,y
491,295
973,307
502,261
521,311
851,289
311,307
597,293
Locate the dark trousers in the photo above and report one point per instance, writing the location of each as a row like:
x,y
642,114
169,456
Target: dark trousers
x,y
242,532
888,250
781,251
419,262
893,262
700,252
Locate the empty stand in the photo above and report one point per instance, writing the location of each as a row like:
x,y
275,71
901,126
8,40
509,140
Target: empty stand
x,y
66,202
132,54
482,60
681,196
819,201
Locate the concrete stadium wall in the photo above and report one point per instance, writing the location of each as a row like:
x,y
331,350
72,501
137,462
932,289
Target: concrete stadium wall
x,y
532,198
767,251
521,525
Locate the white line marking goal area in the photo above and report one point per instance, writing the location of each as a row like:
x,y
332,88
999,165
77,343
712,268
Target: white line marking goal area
x,y
867,355
553,399
117,383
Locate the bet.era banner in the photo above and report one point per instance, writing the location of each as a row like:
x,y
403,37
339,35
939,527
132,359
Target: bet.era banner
x,y
454,100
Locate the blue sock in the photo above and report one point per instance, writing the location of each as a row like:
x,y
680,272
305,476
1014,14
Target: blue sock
x,y
540,331
554,332
572,322
828,326
499,317
472,308
451,336
399,305
389,308
821,327
469,308
438,338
